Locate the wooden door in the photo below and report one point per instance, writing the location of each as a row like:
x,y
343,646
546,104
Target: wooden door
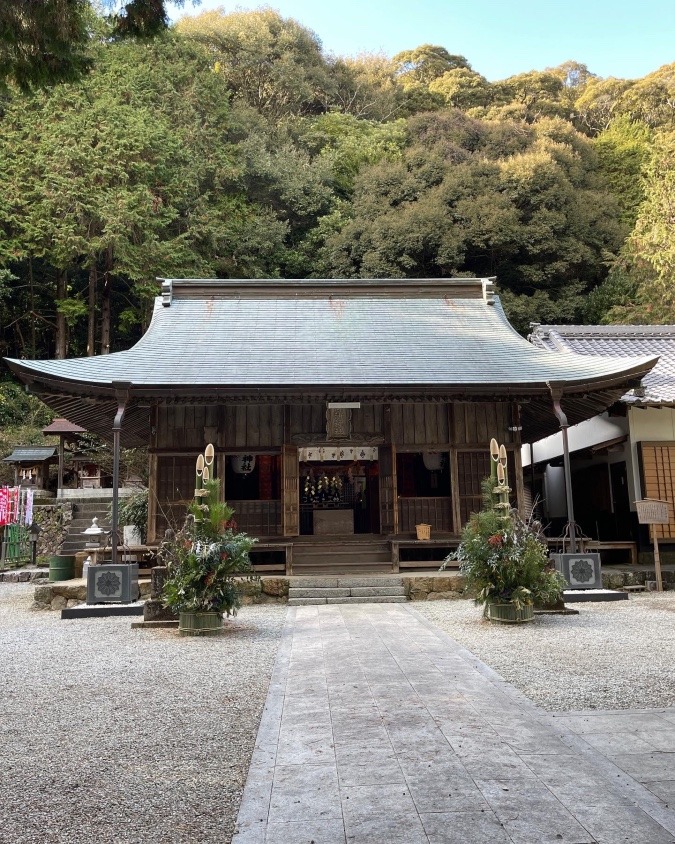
x,y
290,490
388,489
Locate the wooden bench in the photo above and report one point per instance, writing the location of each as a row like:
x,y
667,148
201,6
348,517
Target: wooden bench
x,y
397,544
631,547
556,543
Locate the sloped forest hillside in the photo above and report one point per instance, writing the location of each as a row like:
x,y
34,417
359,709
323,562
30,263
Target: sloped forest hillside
x,y
232,145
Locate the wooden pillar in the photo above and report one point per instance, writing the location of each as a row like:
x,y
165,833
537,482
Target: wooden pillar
x,y
456,517
388,484
520,486
59,483
290,490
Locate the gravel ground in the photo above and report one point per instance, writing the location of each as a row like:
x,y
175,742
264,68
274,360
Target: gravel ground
x,y
109,734
120,736
615,655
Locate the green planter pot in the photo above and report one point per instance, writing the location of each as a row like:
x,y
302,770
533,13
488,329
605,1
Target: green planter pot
x,y
199,623
61,567
510,614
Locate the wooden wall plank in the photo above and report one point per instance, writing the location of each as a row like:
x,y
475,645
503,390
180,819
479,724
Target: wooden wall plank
x,y
264,424
431,422
253,425
318,424
378,419
396,419
240,434
418,434
277,425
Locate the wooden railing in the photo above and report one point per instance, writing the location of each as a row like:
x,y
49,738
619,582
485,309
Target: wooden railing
x,y
436,512
258,518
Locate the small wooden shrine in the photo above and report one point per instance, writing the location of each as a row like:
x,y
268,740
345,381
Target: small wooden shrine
x,y
339,410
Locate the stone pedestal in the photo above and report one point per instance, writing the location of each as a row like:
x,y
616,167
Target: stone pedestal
x,y
154,609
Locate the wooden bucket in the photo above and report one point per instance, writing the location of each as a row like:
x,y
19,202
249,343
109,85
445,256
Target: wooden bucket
x,y
510,614
199,623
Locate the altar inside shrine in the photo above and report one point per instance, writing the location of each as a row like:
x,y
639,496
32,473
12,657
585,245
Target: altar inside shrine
x,y
334,490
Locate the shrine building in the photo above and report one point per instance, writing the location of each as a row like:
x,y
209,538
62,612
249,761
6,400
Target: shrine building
x,y
343,413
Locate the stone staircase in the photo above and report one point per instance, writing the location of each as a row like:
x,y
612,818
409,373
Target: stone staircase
x,y
347,555
83,513
347,589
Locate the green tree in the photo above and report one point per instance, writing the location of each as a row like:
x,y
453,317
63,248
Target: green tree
x,y
426,63
536,217
598,104
269,62
652,98
348,144
533,95
652,239
47,42
132,175
623,150
366,86
463,88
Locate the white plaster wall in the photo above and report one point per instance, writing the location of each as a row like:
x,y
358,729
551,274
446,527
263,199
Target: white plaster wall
x,y
594,431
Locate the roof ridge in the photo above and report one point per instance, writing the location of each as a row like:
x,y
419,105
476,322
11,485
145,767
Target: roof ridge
x,y
541,330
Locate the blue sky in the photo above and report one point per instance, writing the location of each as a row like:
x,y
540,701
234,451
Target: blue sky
x,y
619,38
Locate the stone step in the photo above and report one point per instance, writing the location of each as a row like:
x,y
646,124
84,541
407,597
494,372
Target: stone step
x,y
317,592
376,591
355,591
345,569
343,582
391,599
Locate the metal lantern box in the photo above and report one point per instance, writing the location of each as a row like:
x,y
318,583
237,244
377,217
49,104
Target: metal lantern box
x,y
581,571
112,584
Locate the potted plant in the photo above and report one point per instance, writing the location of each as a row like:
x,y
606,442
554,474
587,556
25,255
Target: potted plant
x,y
133,515
206,561
504,558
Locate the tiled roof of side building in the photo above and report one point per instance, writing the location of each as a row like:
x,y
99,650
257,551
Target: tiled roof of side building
x,y
26,454
620,341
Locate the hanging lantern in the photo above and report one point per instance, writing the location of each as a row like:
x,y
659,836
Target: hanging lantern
x,y
433,460
243,464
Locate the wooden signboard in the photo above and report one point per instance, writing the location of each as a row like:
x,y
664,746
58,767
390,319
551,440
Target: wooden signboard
x,y
651,511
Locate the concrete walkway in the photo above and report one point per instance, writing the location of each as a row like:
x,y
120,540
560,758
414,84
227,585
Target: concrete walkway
x,y
380,729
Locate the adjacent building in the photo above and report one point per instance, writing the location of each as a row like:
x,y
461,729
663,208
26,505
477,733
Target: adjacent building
x,y
622,455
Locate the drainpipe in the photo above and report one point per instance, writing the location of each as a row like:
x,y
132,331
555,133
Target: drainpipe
x,y
556,395
122,395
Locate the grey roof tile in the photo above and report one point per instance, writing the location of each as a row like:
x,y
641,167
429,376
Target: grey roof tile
x,y
37,454
246,339
620,341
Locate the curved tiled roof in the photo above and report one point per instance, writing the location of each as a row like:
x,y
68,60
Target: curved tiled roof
x,y
214,339
620,341
408,337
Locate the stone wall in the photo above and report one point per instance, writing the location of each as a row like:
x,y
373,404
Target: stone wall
x,y
441,587
267,590
69,593
618,579
54,520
